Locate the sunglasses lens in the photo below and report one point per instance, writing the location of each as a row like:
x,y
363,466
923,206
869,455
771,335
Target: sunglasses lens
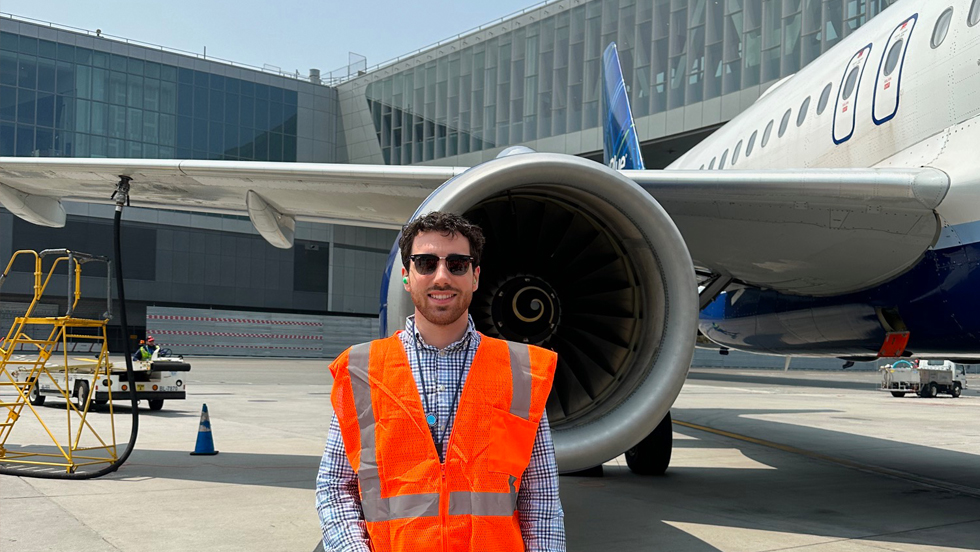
x,y
457,265
426,264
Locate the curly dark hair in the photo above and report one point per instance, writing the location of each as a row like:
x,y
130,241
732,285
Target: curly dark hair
x,y
449,224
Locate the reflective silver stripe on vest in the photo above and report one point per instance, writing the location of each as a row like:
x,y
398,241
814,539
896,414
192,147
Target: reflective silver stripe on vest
x,y
465,503
401,507
377,508
520,368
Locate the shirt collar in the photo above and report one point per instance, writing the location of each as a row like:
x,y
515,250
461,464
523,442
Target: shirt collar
x,y
469,336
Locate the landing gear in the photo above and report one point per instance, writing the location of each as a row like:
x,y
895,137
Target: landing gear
x,y
651,456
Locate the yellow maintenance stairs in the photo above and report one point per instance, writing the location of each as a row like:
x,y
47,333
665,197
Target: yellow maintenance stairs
x,y
38,349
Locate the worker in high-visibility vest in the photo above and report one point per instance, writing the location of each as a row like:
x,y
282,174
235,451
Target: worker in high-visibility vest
x,y
146,350
439,439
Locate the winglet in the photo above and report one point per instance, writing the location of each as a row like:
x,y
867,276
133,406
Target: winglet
x,y
621,147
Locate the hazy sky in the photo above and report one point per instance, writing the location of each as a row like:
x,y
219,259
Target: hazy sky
x,y
289,34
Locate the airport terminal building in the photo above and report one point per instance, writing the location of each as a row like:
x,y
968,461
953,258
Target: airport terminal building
x,y
531,79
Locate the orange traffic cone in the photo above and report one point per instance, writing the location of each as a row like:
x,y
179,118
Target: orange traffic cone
x,y
205,443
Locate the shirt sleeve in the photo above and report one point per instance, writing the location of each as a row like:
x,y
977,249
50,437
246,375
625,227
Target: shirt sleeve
x,y
338,501
539,509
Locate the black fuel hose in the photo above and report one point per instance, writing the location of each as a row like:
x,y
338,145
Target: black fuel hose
x,y
130,378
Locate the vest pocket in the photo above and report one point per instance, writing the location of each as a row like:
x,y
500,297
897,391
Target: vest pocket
x,y
511,441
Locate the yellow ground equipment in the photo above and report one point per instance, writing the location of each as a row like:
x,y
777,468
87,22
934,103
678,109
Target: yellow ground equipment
x,y
39,348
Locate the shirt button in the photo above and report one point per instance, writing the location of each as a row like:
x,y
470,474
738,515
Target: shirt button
x,y
442,353
442,388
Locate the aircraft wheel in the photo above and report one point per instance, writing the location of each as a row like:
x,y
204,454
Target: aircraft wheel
x,y
651,456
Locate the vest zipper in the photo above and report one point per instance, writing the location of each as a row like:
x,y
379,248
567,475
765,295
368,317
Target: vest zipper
x,y
444,512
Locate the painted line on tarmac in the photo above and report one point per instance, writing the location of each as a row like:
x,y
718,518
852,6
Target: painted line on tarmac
x,y
867,468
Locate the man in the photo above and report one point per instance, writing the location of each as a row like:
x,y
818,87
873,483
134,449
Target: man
x,y
439,440
146,350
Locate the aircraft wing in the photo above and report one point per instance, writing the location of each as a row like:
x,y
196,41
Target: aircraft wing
x,y
364,195
804,231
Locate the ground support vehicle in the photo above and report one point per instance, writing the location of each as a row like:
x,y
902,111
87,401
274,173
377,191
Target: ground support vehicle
x,y
927,379
156,380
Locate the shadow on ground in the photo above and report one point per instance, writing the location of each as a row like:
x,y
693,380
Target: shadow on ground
x,y
271,470
774,498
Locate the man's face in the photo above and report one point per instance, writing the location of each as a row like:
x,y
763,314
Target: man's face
x,y
441,297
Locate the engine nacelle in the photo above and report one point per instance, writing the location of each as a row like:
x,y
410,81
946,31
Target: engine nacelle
x,y
581,260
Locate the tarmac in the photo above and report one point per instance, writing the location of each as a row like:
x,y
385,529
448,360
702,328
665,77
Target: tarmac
x,y
763,460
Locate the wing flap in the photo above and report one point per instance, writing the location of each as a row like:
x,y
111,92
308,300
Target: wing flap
x,y
807,231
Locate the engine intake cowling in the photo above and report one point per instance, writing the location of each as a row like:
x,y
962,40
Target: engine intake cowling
x,y
579,259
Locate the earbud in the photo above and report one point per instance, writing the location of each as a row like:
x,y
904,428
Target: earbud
x,y
405,280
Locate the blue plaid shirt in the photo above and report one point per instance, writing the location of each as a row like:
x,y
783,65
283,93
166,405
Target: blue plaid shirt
x,y
338,502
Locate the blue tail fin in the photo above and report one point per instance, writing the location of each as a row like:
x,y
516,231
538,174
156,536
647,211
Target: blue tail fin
x,y
621,147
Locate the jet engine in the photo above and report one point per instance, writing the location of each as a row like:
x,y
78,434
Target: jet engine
x,y
580,260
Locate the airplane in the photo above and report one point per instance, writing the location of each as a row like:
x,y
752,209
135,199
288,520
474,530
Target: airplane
x,y
836,216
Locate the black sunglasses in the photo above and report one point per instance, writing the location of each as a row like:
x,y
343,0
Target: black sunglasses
x,y
426,264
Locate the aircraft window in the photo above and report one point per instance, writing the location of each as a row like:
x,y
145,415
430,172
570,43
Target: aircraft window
x,y
893,56
784,123
824,97
942,27
803,109
724,156
974,16
766,134
851,82
751,144
712,164
738,148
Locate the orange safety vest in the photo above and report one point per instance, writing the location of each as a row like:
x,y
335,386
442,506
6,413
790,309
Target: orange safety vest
x,y
411,500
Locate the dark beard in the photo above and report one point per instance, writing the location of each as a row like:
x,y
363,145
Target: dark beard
x,y
442,316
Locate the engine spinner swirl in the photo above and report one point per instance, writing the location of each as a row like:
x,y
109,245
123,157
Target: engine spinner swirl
x,y
525,309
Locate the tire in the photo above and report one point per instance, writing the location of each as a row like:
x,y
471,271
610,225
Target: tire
x,y
155,404
933,391
898,394
81,394
957,391
651,456
35,396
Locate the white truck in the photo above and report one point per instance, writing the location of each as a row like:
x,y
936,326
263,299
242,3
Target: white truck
x,y
927,379
160,378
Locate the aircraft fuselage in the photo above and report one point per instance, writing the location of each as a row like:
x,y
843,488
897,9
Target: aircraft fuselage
x,y
900,92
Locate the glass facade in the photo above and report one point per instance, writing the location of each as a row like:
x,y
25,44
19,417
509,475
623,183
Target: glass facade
x,y
61,100
542,78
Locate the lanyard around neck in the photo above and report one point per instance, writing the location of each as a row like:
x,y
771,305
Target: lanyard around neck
x,y
430,417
